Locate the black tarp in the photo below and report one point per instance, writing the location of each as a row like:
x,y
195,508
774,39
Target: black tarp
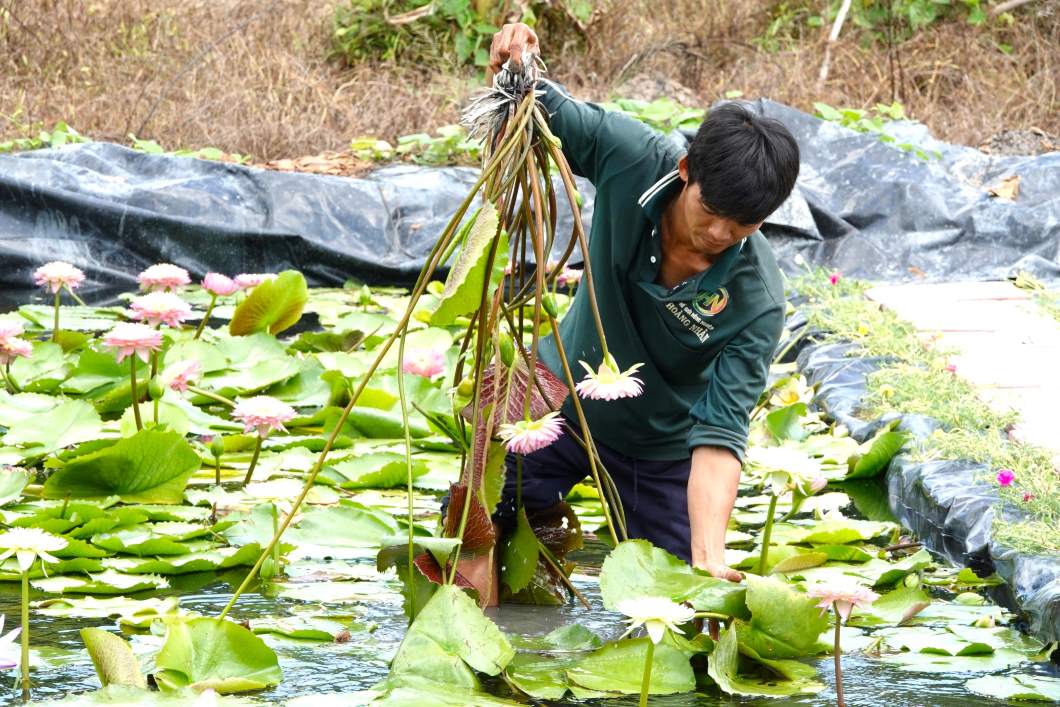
x,y
948,504
862,207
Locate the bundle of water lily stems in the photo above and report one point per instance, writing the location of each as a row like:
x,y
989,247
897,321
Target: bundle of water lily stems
x,y
498,289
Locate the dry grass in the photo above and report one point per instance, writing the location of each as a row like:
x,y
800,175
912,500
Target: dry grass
x,y
253,76
248,76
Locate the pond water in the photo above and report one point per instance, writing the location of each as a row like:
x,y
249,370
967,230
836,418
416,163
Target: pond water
x,y
378,625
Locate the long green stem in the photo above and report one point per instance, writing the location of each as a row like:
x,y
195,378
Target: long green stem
x,y
579,230
132,391
217,470
408,475
74,295
55,326
25,635
767,532
645,683
211,396
253,460
205,317
8,380
837,655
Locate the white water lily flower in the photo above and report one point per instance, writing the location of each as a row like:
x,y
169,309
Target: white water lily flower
x,y
27,544
793,391
656,614
785,469
10,656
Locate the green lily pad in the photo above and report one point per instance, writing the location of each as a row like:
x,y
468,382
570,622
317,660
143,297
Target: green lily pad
x,y
463,288
15,407
619,668
449,640
723,667
67,424
43,371
272,306
201,561
107,582
379,470
207,653
327,532
874,456
785,623
90,607
1030,688
520,555
12,481
149,467
635,569
306,628
113,658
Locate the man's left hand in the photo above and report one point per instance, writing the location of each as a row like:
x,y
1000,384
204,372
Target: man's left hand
x,y
720,571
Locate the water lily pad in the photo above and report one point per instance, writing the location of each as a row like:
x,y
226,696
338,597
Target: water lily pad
x,y
15,407
619,668
149,467
874,456
65,425
12,481
90,607
378,470
113,658
207,653
468,275
327,532
635,569
1031,688
107,582
448,641
272,306
785,622
306,628
897,606
723,667
43,370
202,561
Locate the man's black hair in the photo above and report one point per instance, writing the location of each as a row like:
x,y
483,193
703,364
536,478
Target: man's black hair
x,y
745,165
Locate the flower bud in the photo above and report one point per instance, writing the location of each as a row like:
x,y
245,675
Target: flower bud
x,y
507,350
365,296
217,447
466,388
155,388
549,303
987,621
912,580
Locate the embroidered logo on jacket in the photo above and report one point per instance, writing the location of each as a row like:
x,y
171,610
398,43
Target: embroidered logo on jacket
x,y
711,303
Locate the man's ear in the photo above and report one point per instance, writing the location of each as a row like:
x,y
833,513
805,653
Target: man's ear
x,y
682,167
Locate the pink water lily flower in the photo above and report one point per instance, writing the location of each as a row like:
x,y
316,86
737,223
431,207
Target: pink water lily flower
x,y
844,595
128,339
424,362
569,276
526,436
1005,477
247,281
263,414
57,274
12,347
163,276
182,374
160,308
610,383
219,285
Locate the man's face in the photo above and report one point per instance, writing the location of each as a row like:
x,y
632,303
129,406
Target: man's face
x,y
710,233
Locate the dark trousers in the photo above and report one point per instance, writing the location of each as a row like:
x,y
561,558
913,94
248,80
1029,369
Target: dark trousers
x,y
654,493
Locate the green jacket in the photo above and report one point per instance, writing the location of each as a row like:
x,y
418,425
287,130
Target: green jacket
x,y
706,344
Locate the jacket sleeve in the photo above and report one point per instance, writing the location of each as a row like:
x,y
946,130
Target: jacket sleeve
x,y
595,141
720,418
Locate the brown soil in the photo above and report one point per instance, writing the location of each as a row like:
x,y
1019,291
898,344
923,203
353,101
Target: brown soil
x,y
254,77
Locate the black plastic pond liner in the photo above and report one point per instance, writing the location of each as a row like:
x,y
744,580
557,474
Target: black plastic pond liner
x,y
945,503
862,207
112,212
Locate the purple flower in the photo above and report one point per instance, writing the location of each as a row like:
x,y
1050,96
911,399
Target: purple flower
x,y
1005,477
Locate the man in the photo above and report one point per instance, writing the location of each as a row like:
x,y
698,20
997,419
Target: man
x,y
687,286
